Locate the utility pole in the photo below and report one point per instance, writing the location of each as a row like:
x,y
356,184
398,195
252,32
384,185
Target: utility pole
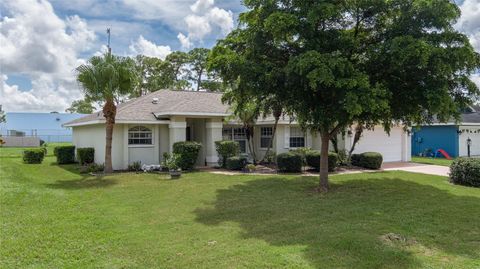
x,y
108,42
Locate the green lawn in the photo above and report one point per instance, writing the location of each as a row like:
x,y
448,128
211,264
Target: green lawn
x,y
436,161
52,217
17,152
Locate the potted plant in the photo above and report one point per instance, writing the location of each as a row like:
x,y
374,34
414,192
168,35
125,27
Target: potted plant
x,y
171,162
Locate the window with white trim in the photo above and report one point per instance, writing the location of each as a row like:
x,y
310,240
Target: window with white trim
x,y
236,134
140,135
266,134
297,137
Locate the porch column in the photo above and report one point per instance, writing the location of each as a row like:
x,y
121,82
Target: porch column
x,y
213,133
177,130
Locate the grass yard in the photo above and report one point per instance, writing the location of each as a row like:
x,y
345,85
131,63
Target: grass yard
x,y
52,217
18,152
435,161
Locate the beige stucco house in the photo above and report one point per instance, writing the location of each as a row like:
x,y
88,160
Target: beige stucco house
x,y
148,126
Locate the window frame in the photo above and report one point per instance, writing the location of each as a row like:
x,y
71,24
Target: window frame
x,y
296,136
263,135
141,130
230,133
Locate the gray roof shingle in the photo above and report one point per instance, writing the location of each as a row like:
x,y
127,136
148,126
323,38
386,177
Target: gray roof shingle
x,y
169,103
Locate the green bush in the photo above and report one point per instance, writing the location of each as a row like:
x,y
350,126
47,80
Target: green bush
x,y
289,162
92,168
465,171
44,148
225,150
270,158
85,155
369,160
65,154
236,163
302,152
33,155
188,153
135,166
313,160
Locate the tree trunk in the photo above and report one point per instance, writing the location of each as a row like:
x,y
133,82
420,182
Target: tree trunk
x,y
109,112
356,138
323,184
199,80
271,140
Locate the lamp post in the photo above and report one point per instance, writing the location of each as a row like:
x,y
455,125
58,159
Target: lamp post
x,y
469,143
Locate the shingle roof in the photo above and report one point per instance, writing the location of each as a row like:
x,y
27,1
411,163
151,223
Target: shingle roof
x,y
169,103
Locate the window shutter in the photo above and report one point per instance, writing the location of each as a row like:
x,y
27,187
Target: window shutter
x,y
287,136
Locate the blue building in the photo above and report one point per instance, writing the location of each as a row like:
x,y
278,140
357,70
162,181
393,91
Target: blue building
x,y
46,126
451,137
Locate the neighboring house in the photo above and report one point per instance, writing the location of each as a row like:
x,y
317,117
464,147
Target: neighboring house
x,y
46,126
148,126
451,137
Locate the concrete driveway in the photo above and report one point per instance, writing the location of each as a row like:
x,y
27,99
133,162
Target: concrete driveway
x,y
437,170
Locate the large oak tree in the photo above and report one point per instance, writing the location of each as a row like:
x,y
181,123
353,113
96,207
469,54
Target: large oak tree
x,y
340,62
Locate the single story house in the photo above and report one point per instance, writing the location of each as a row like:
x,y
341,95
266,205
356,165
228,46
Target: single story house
x,y
148,126
45,126
452,137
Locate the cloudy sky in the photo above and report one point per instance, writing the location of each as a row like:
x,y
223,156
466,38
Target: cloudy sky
x,y
43,41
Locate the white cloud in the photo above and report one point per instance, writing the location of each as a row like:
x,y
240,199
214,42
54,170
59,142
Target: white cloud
x,y
39,45
201,5
45,96
198,26
184,41
206,19
469,22
148,48
222,18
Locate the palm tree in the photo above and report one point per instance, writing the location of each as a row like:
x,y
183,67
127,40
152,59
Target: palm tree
x,y
105,79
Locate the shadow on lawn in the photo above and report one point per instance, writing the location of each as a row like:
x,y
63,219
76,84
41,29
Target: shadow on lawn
x,y
344,228
86,180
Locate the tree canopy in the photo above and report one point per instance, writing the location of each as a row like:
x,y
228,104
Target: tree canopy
x,y
106,79
336,63
81,106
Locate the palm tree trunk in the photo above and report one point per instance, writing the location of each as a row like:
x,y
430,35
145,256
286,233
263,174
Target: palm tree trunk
x,y
323,184
109,112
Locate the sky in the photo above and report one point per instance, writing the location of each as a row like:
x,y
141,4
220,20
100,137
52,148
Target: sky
x,y
43,41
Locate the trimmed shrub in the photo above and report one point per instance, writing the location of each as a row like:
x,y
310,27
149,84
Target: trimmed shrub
x,y
355,159
289,162
65,154
44,148
188,153
33,155
369,160
225,150
313,160
85,155
465,171
236,163
302,152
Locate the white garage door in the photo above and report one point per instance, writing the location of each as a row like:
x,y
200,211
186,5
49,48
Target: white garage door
x,y
379,141
472,132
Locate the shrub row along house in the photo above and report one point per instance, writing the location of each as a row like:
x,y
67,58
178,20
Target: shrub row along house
x,y
148,126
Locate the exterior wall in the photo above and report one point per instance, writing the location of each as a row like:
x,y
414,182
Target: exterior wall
x,y
164,140
94,136
472,132
434,138
146,154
